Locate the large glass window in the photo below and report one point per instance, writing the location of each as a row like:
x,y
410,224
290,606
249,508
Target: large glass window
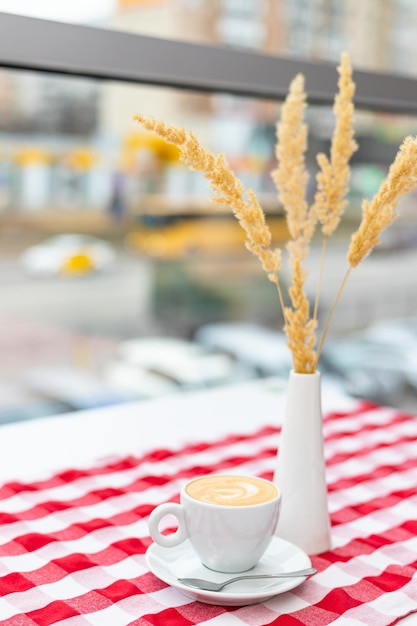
x,y
106,238
153,256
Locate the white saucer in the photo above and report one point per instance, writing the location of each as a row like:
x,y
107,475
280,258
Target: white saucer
x,y
169,564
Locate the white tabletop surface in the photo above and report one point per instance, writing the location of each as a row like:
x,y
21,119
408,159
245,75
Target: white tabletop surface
x,y
35,448
31,448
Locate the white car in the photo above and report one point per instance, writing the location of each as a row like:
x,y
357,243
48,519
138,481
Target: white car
x,y
68,254
396,343
262,349
160,365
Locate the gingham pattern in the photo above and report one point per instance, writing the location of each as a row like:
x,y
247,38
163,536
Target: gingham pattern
x,y
72,546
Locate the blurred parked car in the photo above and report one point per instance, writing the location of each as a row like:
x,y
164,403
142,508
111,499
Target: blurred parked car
x,y
367,370
154,366
257,347
396,338
400,332
72,387
68,254
361,370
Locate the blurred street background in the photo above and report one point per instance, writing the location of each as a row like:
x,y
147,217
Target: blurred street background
x,y
110,249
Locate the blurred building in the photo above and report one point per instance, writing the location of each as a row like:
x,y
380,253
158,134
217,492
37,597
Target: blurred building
x,y
71,143
378,35
44,104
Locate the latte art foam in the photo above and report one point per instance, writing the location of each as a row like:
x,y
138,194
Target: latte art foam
x,y
231,490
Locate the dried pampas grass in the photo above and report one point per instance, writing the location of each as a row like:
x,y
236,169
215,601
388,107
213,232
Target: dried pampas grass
x,y
291,179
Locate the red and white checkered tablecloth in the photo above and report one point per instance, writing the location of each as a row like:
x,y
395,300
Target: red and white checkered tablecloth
x,y
72,546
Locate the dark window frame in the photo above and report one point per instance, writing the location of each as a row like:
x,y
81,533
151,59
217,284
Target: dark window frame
x,y
42,45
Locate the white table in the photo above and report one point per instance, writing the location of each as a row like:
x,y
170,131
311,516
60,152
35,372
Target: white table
x,y
35,449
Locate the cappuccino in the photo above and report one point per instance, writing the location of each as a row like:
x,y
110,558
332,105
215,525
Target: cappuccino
x,y
231,490
229,520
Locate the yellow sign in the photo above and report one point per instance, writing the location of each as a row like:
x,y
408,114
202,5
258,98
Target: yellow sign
x,y
165,152
81,158
32,156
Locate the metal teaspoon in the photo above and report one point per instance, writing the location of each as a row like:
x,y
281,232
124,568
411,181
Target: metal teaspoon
x,y
207,585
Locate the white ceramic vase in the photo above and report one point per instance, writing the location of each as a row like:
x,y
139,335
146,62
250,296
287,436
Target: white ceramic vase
x,y
300,471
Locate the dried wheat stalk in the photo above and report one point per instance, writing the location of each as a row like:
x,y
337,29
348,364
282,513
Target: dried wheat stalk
x,y
333,176
291,178
229,191
380,212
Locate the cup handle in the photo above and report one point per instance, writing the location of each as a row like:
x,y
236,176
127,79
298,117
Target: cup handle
x,y
168,541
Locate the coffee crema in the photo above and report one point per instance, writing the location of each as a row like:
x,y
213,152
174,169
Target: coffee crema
x,y
231,490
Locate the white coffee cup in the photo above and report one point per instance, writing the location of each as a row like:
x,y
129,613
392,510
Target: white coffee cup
x,y
229,520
